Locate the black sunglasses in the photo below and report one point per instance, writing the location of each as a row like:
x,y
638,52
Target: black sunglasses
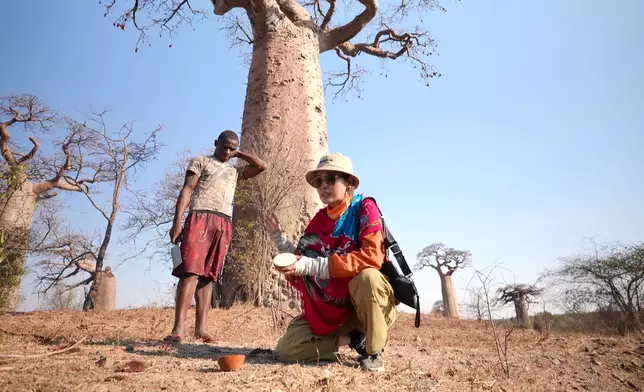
x,y
329,179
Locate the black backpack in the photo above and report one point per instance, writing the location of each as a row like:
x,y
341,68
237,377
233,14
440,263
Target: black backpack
x,y
400,279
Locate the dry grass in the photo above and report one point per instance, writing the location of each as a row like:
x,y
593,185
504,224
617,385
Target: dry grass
x,y
443,355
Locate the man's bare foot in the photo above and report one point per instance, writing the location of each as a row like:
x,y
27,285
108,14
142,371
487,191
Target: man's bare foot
x,y
204,337
172,339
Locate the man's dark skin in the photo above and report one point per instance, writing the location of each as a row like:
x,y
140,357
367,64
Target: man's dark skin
x,y
225,149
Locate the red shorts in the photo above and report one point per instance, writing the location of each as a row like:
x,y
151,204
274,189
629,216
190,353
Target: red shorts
x,y
204,244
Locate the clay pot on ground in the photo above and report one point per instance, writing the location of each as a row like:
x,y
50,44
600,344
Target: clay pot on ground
x,y
231,363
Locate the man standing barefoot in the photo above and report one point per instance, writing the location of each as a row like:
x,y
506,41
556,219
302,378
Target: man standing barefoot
x,y
208,188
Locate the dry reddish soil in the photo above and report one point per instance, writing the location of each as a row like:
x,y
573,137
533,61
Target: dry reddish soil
x,y
121,351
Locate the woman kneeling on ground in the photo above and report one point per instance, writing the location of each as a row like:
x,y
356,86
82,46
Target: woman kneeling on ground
x,y
345,298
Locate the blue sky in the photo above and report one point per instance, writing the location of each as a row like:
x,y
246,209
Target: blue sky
x,y
531,141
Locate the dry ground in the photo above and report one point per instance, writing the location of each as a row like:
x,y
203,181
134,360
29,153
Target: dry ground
x,y
443,355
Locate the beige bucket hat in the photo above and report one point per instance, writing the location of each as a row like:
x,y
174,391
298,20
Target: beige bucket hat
x,y
335,162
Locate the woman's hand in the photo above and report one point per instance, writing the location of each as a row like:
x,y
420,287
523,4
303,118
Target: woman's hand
x,y
272,224
289,270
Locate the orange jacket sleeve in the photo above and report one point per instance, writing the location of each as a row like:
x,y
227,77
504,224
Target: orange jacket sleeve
x,y
370,255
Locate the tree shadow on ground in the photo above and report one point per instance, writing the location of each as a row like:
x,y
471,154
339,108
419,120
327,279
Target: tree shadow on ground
x,y
258,356
205,351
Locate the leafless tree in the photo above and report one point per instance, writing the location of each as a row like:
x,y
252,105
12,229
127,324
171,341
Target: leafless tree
x,y
445,261
520,295
26,181
285,89
501,338
475,304
152,210
107,158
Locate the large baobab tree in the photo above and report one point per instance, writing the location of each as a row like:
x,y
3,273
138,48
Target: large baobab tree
x,y
445,261
26,180
520,295
285,93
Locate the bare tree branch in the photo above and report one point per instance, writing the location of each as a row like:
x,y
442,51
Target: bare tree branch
x,y
23,109
7,153
400,11
33,151
296,13
486,289
340,35
237,31
59,181
80,284
328,15
414,45
443,259
221,7
349,80
167,15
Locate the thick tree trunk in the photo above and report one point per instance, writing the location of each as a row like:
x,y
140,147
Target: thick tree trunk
x,y
106,294
521,309
96,291
284,96
16,216
450,305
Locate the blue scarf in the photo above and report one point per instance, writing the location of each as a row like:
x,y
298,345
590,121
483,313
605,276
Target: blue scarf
x,y
346,224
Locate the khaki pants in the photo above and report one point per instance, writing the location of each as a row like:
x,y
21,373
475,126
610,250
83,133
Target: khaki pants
x,y
375,311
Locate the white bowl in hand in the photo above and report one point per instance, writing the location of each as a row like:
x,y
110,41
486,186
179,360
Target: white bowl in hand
x,y
284,260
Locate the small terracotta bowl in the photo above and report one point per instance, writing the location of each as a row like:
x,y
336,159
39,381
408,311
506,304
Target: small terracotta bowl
x,y
231,363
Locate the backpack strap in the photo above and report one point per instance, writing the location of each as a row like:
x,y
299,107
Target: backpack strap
x,y
391,243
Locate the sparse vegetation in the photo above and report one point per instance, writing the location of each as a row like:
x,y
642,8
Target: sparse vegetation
x,y
605,285
444,354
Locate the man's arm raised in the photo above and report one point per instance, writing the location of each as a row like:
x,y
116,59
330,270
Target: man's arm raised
x,y
255,165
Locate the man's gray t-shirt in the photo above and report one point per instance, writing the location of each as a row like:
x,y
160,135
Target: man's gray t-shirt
x,y
216,187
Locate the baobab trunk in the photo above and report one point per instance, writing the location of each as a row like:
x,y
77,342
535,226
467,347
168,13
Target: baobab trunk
x,y
284,96
106,292
450,306
521,309
16,215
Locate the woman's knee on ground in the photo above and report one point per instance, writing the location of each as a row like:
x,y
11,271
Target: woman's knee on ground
x,y
293,350
299,344
287,349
